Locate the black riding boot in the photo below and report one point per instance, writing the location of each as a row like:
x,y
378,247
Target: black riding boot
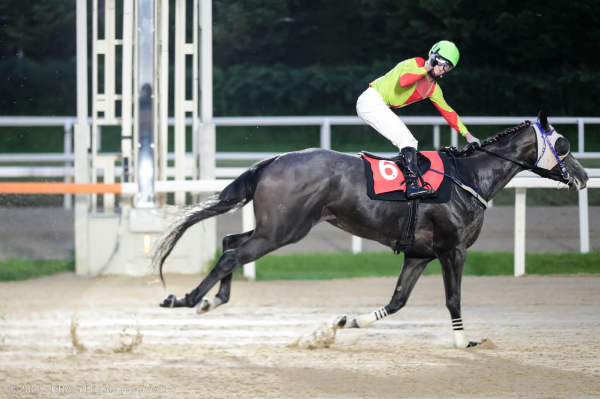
x,y
408,157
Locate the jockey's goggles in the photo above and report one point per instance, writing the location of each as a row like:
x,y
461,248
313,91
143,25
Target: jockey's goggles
x,y
444,63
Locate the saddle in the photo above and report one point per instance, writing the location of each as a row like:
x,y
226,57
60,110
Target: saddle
x,y
385,178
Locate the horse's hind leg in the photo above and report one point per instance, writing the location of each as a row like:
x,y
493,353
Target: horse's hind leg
x,y
260,243
410,273
231,241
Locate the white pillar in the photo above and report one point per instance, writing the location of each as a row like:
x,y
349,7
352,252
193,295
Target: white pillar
x,y
356,244
249,223
82,143
180,79
163,96
326,134
436,137
580,134
584,222
520,231
67,198
127,88
453,138
207,128
490,204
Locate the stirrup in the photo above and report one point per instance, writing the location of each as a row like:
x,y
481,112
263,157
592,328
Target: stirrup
x,y
429,192
422,194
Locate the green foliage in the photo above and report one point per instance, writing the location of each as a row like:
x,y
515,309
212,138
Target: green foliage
x,y
35,88
15,270
344,265
310,57
318,90
37,29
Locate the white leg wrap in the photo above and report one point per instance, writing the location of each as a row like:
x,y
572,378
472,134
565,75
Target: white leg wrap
x,y
366,320
215,302
207,305
459,334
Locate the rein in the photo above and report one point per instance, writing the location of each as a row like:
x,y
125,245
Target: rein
x,y
534,168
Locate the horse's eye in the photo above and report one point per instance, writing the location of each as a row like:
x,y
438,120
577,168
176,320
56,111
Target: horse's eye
x,y
562,146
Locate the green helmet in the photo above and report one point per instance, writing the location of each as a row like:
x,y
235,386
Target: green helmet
x,y
447,50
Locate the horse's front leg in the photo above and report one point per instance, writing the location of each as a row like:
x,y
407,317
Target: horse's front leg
x,y
453,262
410,273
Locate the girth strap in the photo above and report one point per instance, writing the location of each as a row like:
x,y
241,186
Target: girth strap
x,y
408,228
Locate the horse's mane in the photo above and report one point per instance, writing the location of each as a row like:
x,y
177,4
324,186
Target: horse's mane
x,y
505,133
469,149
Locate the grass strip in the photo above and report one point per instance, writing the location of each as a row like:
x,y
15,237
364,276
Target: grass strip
x,y
15,270
321,266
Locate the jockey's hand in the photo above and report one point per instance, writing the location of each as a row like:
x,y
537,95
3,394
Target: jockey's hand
x,y
472,139
433,60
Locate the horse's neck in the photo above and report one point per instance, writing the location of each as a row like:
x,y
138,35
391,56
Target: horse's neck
x,y
490,173
494,174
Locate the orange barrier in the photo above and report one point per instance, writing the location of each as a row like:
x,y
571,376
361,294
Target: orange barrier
x,y
59,188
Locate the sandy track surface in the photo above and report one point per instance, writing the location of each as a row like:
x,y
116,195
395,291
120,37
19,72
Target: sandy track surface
x,y
546,330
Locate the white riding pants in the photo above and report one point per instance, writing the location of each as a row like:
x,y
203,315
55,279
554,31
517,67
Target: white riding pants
x,y
371,108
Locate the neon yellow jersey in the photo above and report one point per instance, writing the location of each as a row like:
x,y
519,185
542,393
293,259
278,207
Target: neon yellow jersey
x,y
409,82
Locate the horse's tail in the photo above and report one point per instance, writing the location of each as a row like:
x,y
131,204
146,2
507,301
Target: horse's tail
x,y
233,197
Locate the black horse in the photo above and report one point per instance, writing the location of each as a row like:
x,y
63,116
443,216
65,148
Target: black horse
x,y
293,192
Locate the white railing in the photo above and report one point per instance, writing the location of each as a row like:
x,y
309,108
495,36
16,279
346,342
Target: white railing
x,y
325,123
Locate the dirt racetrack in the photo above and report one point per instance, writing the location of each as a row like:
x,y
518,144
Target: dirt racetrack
x,y
546,330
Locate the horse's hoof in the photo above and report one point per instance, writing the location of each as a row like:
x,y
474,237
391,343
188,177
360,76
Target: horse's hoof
x,y
204,306
340,322
169,301
472,344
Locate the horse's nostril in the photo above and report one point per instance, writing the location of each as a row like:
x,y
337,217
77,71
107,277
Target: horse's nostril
x,y
586,178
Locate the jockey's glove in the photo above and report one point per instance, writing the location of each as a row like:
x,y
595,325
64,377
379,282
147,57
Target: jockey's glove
x,y
472,139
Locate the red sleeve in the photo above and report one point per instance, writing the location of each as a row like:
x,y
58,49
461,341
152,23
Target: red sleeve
x,y
408,78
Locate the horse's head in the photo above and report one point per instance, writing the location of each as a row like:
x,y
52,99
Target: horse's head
x,y
553,154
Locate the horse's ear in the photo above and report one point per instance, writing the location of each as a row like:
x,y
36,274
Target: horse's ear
x,y
543,120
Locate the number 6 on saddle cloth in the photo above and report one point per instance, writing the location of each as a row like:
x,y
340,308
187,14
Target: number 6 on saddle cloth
x,y
385,181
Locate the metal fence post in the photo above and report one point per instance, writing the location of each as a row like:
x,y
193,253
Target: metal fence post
x,y
584,222
326,134
436,137
520,198
67,198
249,223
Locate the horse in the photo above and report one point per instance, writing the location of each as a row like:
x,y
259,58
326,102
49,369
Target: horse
x,y
295,191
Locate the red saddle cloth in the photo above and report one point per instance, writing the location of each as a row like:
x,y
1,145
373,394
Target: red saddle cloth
x,y
387,177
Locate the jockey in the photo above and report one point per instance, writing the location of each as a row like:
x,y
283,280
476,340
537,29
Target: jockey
x,y
410,81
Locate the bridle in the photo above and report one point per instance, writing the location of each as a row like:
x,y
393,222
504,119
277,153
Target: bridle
x,y
535,168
